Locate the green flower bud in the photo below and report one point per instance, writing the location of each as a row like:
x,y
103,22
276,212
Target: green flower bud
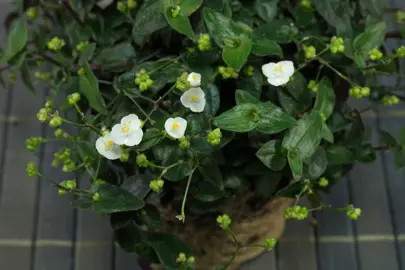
x,y
182,83
249,71
156,185
400,15
323,182
181,258
224,221
191,260
270,243
176,11
82,45
310,52
365,91
305,3
42,76
121,7
61,192
81,72
228,72
204,42
401,52
96,196
124,155
184,143
12,77
33,143
390,100
353,213
313,86
56,121
49,104
74,98
356,92
56,44
42,115
69,166
131,4
214,137
297,212
32,13
375,54
142,161
59,133
31,169
337,45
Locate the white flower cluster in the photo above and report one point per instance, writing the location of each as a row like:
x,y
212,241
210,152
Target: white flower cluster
x,y
129,132
278,73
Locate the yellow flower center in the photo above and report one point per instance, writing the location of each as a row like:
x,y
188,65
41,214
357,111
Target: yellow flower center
x,y
125,129
278,68
194,77
108,144
194,98
175,125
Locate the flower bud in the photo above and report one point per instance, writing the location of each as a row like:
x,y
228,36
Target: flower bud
x,y
337,45
375,54
313,86
32,13
31,169
270,243
96,196
204,42
401,52
82,45
224,221
400,15
214,137
81,72
310,52
131,4
181,258
73,98
56,44
323,182
56,121
121,7
176,11
184,143
156,185
191,260
142,161
42,115
353,213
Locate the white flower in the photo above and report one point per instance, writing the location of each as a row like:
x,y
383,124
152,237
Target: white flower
x,y
104,3
128,132
194,79
194,99
278,73
176,127
107,148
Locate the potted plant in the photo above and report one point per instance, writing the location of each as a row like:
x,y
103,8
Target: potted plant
x,y
202,124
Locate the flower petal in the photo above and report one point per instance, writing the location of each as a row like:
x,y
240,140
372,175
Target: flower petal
x,y
177,132
268,70
135,138
198,106
194,79
117,136
185,100
288,68
132,120
278,80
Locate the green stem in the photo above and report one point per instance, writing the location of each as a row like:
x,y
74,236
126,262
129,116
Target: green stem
x,y
170,62
312,59
335,70
183,205
157,102
233,258
105,82
147,116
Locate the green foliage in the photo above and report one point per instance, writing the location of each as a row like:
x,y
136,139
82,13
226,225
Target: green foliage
x,y
191,103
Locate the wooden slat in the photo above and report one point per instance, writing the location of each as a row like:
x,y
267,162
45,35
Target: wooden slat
x,y
125,261
297,239
94,248
333,252
265,261
55,218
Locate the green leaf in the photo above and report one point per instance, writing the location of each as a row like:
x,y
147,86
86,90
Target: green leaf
x,y
375,7
138,184
120,54
366,153
252,84
242,96
271,155
306,136
289,104
89,87
399,158
266,9
272,119
317,164
206,191
292,190
17,61
389,140
295,162
180,23
212,98
236,56
220,26
187,7
17,39
87,53
26,77
401,137
297,87
114,199
235,180
266,185
151,138
211,172
148,20
241,118
266,47
281,31
325,98
304,17
338,155
327,133
335,15
150,216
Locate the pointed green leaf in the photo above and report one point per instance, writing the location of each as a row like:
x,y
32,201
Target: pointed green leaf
x,y
236,56
242,96
180,23
89,87
266,47
87,53
241,118
281,31
17,39
151,138
295,162
317,164
26,77
271,155
272,119
338,154
212,98
325,98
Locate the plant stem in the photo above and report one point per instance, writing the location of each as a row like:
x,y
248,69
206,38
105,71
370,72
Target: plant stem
x,y
312,59
105,82
140,108
382,148
183,205
157,102
72,12
233,258
335,70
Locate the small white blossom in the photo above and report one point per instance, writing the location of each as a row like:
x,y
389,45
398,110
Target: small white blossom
x,y
104,3
107,148
128,132
194,99
278,73
194,79
176,127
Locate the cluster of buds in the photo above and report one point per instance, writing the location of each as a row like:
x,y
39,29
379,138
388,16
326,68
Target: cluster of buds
x,y
249,71
67,186
33,143
214,137
96,196
60,133
228,72
297,212
32,13
182,82
204,42
142,161
224,221
156,185
352,212
401,52
337,45
323,182
390,100
305,3
56,44
184,143
313,86
56,121
400,15
64,157
310,52
82,45
269,243
31,169
184,261
375,54
123,7
73,98
42,76
176,11
143,80
359,92
81,72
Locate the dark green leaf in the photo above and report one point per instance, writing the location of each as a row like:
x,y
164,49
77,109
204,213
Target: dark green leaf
x,y
327,133
148,20
252,84
114,199
180,23
325,98
138,184
236,56
206,192
273,119
244,97
87,53
338,154
304,17
187,7
295,162
266,185
150,217
375,7
212,99
211,172
317,164
118,55
89,87
151,138
306,136
17,39
264,47
387,139
17,61
266,9
292,190
289,104
399,158
271,155
235,180
297,87
26,77
281,31
241,118
401,138
366,153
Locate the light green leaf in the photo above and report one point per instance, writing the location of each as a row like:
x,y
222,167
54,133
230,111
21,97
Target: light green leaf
x,y
212,98
317,164
273,119
89,87
180,23
17,39
295,162
281,31
325,98
87,53
306,136
271,155
327,133
242,96
372,38
265,47
241,118
237,56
